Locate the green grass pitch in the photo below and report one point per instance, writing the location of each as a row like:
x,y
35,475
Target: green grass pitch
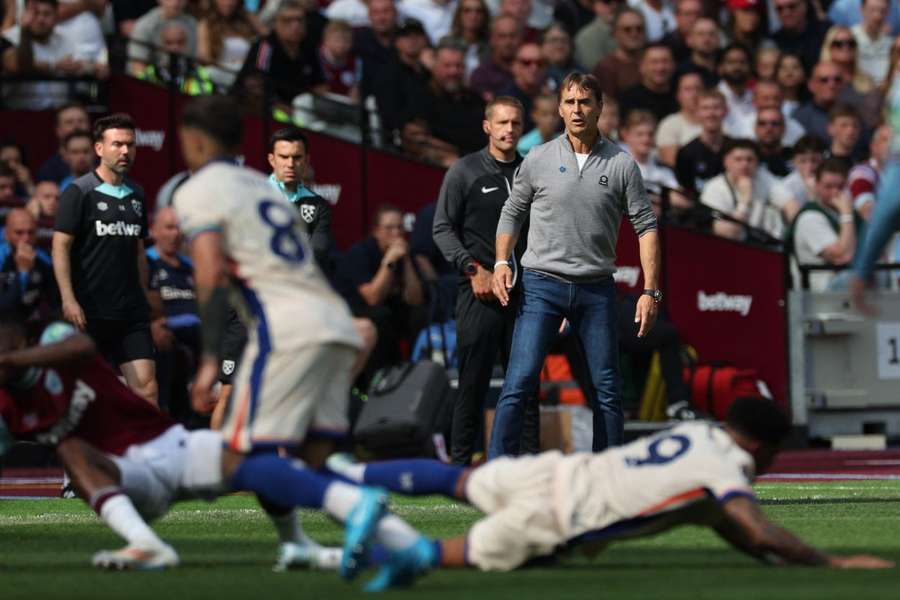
x,y
227,550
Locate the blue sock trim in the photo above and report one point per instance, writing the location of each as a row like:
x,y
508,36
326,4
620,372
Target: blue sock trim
x,y
415,477
379,554
280,482
438,552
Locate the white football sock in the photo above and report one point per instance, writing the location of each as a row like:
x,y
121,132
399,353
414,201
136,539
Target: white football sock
x,y
340,498
287,526
395,533
120,515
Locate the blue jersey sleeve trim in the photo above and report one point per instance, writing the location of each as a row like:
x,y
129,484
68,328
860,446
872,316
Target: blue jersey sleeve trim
x,y
735,494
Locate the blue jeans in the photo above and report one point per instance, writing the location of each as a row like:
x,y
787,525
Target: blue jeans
x,y
591,309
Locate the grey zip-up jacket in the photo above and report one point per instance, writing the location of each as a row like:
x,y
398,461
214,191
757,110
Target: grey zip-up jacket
x,y
575,217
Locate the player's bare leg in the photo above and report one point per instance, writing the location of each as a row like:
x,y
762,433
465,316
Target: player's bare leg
x,y
140,375
97,480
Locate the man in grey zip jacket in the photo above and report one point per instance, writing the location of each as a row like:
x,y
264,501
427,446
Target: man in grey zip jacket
x,y
575,190
465,224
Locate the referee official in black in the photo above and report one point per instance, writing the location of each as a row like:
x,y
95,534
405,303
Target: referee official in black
x,y
99,260
465,225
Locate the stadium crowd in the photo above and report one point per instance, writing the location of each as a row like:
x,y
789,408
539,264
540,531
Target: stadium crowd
x,y
759,120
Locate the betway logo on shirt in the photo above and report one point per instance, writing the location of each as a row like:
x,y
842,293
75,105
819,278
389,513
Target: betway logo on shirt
x,y
722,302
118,228
149,139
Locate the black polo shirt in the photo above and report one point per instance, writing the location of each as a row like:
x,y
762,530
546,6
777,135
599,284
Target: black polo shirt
x,y
288,76
107,222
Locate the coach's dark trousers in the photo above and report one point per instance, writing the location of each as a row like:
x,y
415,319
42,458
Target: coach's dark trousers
x,y
482,330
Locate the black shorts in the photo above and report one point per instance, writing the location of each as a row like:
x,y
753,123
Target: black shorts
x,y
121,341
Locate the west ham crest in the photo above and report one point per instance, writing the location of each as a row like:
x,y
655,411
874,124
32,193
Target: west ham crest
x,y
136,205
308,212
228,367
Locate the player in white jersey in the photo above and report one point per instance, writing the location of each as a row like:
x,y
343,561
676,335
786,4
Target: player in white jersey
x,y
694,473
293,384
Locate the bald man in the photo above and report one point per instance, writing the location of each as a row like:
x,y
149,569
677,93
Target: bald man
x,y
26,272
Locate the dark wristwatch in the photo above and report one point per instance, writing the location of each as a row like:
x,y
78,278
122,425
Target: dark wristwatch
x,y
655,294
471,268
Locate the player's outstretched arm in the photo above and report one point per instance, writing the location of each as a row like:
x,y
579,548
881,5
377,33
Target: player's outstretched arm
x,y
748,529
75,348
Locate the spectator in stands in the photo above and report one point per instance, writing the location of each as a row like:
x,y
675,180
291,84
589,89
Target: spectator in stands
x,y
69,117
574,14
9,200
495,73
42,206
557,49
873,43
801,32
747,195
418,142
379,280
375,44
51,53
26,271
808,154
766,60
654,92
701,159
852,12
840,48
766,94
146,32
13,156
529,79
171,66
658,178
472,25
679,128
452,111
864,177
353,12
79,22
9,57
436,16
342,69
520,10
735,69
610,116
594,41
790,75
78,150
686,14
658,16
746,22
224,36
825,230
282,60
621,70
127,12
825,85
402,80
703,40
844,129
547,123
768,133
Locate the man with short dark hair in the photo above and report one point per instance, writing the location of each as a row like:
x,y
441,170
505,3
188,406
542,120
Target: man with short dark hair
x,y
78,152
99,260
26,271
69,117
403,79
529,79
768,133
700,160
374,44
574,191
766,94
801,32
289,158
703,41
43,205
686,14
8,198
844,130
654,93
735,68
620,70
495,73
146,31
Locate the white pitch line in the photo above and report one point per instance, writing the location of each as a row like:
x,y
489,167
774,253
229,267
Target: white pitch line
x,y
822,476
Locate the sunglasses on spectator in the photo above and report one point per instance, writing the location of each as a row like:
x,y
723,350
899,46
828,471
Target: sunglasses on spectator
x,y
770,123
472,9
843,43
787,7
832,79
530,62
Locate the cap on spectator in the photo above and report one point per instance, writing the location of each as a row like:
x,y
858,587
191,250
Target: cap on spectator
x,y
411,26
742,4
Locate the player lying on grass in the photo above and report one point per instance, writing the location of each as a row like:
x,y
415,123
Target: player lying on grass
x,y
695,473
129,461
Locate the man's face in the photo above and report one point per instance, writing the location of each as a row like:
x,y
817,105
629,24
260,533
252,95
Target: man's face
x,y
505,38
606,9
844,131
688,88
792,14
829,187
411,45
881,144
389,229
769,126
46,193
579,110
117,150
72,119
166,232
875,11
290,26
20,228
382,15
711,113
79,156
449,70
287,160
657,67
338,43
686,14
529,69
43,19
767,95
826,83
741,162
704,37
518,9
504,127
11,155
545,115
7,189
735,67
640,139
556,46
807,163
629,32
174,38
